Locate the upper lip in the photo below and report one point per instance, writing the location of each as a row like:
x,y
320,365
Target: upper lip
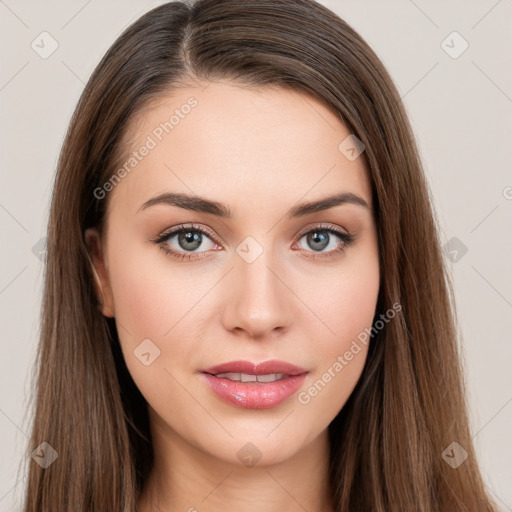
x,y
263,368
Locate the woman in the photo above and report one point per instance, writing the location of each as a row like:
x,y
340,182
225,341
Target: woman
x,y
245,302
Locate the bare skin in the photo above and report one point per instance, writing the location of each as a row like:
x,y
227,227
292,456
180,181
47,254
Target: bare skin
x,y
260,152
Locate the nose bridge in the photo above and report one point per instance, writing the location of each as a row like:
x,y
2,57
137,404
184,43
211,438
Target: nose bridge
x,y
259,299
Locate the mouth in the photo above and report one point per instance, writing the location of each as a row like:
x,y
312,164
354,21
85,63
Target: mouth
x,y
254,385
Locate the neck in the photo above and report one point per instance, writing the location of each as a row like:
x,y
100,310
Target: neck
x,y
187,478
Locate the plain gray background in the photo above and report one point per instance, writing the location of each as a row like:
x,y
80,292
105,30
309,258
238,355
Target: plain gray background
x,y
460,106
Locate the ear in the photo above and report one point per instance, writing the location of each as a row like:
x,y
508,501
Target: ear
x,y
102,286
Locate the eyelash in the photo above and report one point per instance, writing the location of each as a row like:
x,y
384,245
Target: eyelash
x,y
160,240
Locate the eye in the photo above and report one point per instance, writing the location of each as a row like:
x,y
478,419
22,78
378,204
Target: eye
x,y
324,237
183,242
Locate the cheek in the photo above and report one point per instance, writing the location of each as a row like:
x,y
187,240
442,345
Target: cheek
x,y
149,315
141,300
344,300
155,302
351,306
150,297
347,308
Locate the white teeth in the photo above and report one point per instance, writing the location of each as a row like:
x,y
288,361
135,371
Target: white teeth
x,y
271,377
247,377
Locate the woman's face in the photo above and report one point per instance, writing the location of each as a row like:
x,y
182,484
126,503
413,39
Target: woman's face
x,y
259,278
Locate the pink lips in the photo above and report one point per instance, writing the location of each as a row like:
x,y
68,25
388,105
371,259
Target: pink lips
x,y
255,395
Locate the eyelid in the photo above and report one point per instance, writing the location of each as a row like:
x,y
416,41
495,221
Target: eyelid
x,y
191,226
322,225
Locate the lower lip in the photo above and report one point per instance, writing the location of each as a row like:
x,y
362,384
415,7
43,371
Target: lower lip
x,y
254,395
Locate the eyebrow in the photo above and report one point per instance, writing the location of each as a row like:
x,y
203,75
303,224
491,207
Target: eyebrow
x,y
201,204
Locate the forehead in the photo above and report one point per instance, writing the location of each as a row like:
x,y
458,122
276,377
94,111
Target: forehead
x,y
228,141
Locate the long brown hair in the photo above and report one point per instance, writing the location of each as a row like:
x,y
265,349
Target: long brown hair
x,y
409,405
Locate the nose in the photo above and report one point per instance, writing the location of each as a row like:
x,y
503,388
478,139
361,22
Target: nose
x,y
258,301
